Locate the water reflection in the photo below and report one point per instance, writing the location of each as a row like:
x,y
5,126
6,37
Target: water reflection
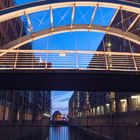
x,y
59,133
68,133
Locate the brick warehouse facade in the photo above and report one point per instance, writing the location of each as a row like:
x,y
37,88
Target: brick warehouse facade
x,y
9,30
20,105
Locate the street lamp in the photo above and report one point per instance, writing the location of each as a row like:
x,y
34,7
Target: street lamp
x,y
109,44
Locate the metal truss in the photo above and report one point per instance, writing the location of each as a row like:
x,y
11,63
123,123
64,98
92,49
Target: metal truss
x,y
62,29
17,11
45,5
11,58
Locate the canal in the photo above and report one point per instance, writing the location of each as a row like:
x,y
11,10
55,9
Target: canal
x,y
69,133
59,133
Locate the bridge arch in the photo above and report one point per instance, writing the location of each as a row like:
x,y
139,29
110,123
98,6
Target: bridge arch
x,y
26,9
62,29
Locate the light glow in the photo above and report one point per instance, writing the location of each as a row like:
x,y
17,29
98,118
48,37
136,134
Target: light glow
x,y
107,104
62,54
123,100
135,97
109,44
47,115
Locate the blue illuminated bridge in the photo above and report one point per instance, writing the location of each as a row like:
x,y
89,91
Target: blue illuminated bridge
x,y
103,69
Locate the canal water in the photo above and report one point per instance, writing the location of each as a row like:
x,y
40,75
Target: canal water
x,y
59,133
68,133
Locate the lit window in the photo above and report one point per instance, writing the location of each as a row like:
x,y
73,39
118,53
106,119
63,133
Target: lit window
x,y
107,107
90,112
98,110
93,111
102,109
80,114
114,106
123,105
135,101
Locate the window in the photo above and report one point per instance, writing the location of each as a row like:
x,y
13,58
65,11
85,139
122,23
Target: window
x,y
135,102
110,96
80,114
98,110
123,105
93,111
102,109
107,108
113,106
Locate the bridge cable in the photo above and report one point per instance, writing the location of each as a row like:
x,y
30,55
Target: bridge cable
x,y
41,21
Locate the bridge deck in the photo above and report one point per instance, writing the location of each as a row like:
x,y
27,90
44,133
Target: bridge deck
x,y
81,80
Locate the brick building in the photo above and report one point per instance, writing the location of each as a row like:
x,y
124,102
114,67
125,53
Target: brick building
x,y
20,105
9,30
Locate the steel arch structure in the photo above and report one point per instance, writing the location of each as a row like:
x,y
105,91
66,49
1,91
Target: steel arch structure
x,y
16,57
62,29
51,4
26,9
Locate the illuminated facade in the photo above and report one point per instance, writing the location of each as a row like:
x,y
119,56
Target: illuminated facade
x,y
11,29
57,116
103,104
106,103
24,105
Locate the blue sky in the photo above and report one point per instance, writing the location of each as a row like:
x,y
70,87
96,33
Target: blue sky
x,y
68,41
60,100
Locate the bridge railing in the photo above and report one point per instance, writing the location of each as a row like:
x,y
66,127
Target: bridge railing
x,y
68,59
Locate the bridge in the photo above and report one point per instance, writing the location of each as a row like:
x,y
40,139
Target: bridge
x,y
56,66
105,76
